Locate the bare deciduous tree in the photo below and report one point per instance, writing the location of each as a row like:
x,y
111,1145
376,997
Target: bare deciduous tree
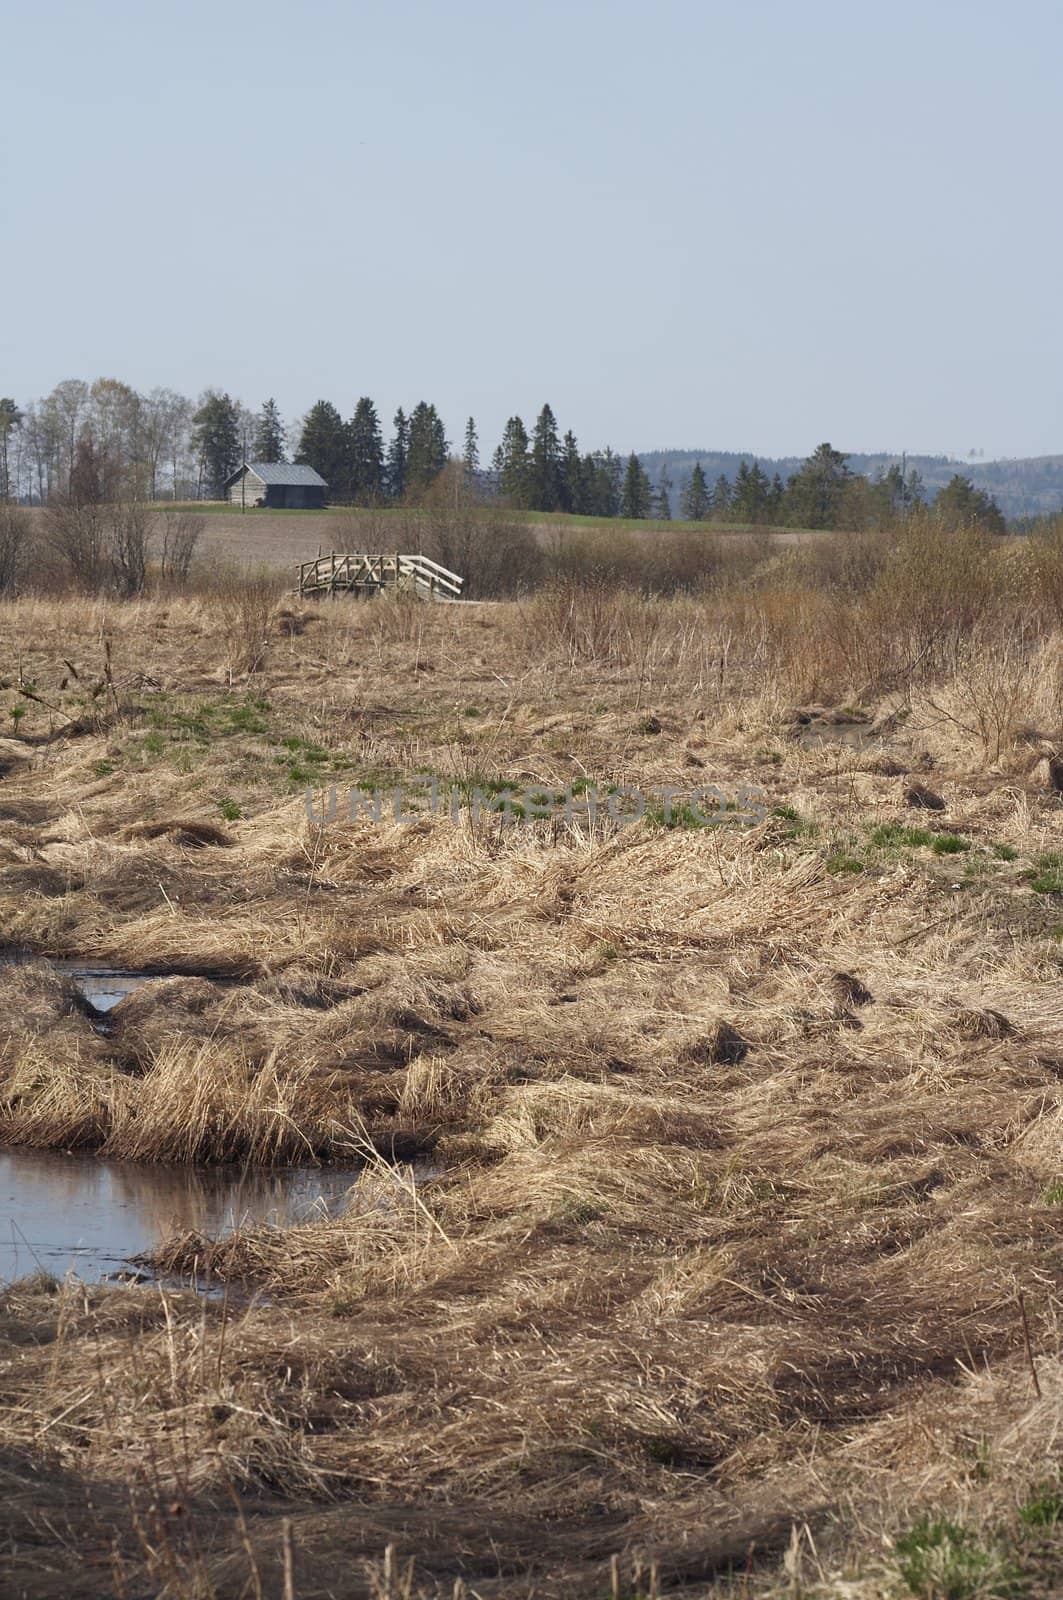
x,y
15,533
181,532
76,536
129,542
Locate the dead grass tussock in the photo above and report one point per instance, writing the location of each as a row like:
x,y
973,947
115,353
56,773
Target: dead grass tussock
x,y
747,1138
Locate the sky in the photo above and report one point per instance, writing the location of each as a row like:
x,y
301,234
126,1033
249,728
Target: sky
x,y
718,224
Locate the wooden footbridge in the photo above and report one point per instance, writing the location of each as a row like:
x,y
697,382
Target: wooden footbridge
x,y
367,575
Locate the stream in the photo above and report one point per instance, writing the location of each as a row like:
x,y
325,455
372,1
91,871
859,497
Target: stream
x,y
63,1212
77,1212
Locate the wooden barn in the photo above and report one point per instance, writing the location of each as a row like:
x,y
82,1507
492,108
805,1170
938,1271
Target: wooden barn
x,y
280,485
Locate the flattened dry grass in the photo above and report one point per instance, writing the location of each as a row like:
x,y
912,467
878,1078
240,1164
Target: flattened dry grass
x,y
739,1162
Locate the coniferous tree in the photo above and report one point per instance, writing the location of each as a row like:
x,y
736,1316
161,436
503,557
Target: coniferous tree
x,y
514,465
545,467
695,498
573,487
637,498
777,499
895,493
816,492
740,492
325,445
426,455
470,454
662,499
216,439
398,451
960,505
366,455
720,499
269,434
607,477
752,495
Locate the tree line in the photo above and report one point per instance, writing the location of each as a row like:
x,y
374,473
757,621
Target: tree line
x,y
103,442
825,493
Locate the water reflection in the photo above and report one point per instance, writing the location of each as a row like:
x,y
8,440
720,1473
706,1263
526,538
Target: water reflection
x,y
59,1212
103,987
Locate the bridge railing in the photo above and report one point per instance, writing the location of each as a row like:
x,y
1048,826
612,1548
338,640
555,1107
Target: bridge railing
x,y
339,572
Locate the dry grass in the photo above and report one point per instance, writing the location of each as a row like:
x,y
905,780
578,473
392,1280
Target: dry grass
x,y
747,1139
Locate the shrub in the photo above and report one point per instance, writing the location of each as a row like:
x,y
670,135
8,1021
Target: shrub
x,y
180,537
245,603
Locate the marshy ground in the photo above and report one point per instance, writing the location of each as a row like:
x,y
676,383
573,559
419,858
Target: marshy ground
x,y
744,1141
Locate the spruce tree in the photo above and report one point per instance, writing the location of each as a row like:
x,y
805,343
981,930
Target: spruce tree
x,y
816,492
573,485
598,496
427,453
216,439
367,455
269,434
959,504
514,465
637,498
720,499
752,495
694,502
662,499
325,445
470,454
545,470
895,493
605,477
740,493
398,451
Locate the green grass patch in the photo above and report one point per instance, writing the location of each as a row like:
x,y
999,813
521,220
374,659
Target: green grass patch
x,y
799,827
941,1560
1044,1509
1004,852
949,844
895,836
1046,874
839,863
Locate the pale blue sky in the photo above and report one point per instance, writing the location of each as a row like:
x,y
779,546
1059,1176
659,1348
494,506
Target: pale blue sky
x,y
740,224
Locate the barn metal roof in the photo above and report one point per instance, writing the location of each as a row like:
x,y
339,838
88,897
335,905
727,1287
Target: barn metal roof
x,y
282,473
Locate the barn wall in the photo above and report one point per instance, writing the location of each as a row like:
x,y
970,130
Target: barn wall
x,y
254,490
279,496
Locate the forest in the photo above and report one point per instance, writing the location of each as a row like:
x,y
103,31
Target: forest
x,y
104,442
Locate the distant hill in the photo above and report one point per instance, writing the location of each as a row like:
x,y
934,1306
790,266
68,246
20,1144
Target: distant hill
x,y
1027,487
